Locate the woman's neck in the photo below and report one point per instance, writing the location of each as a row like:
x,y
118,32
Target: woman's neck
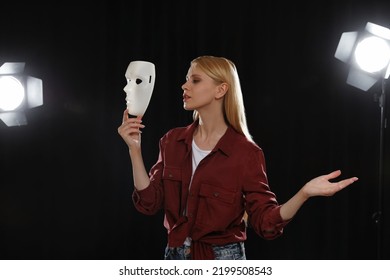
x,y
209,131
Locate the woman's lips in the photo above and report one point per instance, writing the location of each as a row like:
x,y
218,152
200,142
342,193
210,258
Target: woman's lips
x,y
185,97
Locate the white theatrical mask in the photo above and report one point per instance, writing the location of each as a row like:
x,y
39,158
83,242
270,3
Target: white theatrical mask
x,y
140,76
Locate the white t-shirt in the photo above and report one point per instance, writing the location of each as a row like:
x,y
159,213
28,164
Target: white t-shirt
x,y
197,156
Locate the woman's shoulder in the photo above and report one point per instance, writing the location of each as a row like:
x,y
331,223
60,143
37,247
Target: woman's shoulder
x,y
244,141
179,132
251,146
237,144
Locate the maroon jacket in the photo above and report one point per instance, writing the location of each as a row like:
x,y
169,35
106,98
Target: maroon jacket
x,y
230,180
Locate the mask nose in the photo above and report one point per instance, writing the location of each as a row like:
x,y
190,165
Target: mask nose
x,y
126,88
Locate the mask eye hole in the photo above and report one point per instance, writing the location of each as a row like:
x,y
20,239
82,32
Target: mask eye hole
x,y
138,81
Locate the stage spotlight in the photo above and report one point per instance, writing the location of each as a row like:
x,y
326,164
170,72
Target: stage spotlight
x,y
367,53
368,56
18,93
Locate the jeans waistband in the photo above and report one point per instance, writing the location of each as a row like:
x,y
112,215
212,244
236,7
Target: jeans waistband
x,y
231,251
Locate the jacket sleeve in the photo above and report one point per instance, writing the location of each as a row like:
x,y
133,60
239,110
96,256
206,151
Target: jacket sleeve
x,y
150,200
261,204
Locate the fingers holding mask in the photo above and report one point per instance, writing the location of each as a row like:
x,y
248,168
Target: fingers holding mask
x,y
130,129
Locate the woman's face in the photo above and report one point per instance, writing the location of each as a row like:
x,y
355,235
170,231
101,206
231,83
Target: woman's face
x,y
199,90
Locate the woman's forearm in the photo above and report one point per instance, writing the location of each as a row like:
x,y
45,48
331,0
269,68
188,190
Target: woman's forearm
x,y
140,175
291,207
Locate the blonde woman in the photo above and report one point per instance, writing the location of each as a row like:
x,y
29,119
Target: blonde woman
x,y
210,176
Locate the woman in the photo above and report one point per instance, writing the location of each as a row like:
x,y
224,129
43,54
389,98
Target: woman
x,y
210,176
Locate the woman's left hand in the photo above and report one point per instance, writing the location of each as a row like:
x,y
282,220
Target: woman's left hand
x,y
321,186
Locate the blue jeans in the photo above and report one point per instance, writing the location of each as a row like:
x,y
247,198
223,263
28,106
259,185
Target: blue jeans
x,y
232,251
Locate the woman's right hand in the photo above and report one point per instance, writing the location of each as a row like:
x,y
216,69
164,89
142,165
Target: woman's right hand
x,y
130,130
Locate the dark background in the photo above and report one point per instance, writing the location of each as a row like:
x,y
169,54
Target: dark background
x,y
65,179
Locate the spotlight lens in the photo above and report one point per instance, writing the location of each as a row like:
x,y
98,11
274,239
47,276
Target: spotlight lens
x,y
11,93
372,54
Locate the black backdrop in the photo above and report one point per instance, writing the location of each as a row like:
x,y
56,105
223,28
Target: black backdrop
x,y
65,179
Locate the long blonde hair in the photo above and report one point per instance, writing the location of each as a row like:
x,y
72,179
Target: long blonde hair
x,y
223,70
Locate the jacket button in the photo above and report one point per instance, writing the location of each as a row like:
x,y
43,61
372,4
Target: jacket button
x,y
216,194
170,175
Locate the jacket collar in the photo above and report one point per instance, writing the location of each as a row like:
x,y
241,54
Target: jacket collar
x,y
224,144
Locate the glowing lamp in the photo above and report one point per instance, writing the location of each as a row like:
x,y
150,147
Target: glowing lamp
x,y
18,93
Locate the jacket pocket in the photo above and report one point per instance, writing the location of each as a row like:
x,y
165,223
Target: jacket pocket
x,y
219,194
172,186
218,207
172,173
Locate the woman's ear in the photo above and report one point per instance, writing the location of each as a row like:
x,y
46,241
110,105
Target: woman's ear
x,y
221,90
